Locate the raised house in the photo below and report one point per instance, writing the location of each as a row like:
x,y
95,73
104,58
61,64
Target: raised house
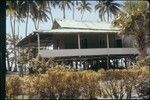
x,y
83,44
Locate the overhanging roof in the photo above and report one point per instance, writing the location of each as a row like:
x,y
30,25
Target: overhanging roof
x,y
76,31
73,24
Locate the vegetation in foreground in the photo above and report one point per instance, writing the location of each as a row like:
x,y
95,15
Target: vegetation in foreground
x,y
61,82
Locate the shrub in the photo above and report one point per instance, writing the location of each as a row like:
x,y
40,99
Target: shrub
x,y
13,87
143,89
144,62
40,65
61,82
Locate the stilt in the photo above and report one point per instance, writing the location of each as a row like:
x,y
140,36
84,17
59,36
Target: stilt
x,y
80,65
83,64
76,64
108,62
125,61
71,64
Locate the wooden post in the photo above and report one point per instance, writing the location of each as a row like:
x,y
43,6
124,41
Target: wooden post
x,y
38,40
108,62
76,64
79,46
107,40
125,61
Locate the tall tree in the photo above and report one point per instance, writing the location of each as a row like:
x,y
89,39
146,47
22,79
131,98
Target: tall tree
x,y
74,3
52,4
19,10
63,4
11,11
34,9
84,6
135,21
109,7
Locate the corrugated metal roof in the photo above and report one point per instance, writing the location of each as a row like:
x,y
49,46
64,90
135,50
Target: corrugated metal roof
x,y
75,31
65,23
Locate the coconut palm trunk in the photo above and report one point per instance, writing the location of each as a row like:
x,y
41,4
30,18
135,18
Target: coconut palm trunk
x,y
107,15
73,10
11,24
52,19
141,41
82,15
50,11
26,30
8,62
64,15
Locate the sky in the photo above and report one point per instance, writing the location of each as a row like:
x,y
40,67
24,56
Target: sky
x,y
57,14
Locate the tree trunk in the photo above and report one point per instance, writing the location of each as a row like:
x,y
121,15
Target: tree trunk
x,y
27,24
8,63
38,23
18,29
12,29
64,16
50,13
107,15
73,10
35,24
51,16
15,55
141,41
82,15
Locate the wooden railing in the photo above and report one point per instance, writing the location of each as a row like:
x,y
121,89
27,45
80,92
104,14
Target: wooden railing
x,y
89,52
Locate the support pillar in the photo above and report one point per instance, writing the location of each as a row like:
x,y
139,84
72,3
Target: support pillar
x,y
107,37
79,46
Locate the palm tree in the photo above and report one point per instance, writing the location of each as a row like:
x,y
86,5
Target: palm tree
x,y
50,5
84,6
34,9
135,21
40,15
74,3
109,7
11,11
63,4
18,10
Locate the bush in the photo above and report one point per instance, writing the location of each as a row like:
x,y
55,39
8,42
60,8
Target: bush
x,y
40,65
144,62
143,89
61,82
13,87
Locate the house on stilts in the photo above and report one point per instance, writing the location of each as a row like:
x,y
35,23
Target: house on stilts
x,y
82,44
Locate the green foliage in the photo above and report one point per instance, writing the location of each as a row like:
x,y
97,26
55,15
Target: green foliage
x,y
134,20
